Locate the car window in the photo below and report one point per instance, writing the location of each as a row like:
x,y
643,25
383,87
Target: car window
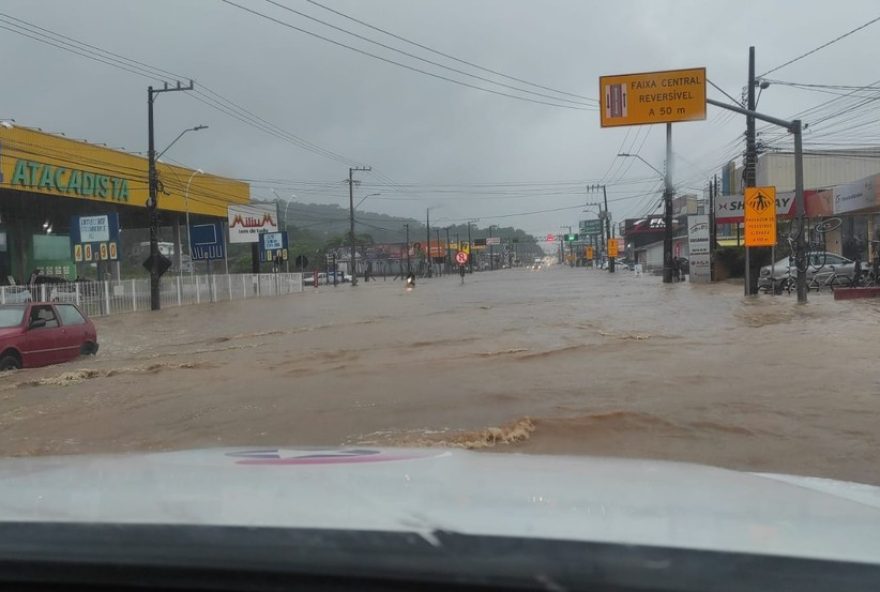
x,y
70,315
835,260
45,313
11,316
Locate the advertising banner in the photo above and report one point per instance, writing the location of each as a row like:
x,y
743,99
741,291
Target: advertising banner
x,y
94,238
699,237
729,208
273,245
206,241
856,196
247,223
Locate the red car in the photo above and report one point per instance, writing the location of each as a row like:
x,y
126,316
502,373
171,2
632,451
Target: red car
x,y
43,333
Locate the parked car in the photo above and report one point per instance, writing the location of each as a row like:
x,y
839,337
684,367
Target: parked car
x,y
42,333
820,261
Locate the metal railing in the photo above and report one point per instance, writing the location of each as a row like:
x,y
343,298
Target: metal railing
x,y
101,298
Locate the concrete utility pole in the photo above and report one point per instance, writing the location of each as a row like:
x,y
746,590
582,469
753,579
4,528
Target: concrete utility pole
x,y
153,184
430,270
446,258
439,267
606,215
667,210
470,250
750,165
408,266
351,171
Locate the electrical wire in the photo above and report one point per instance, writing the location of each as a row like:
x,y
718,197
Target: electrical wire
x,y
400,64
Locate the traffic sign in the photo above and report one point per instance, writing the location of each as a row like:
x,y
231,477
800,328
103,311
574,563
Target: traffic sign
x,y
612,247
493,240
760,216
652,97
591,227
589,252
461,258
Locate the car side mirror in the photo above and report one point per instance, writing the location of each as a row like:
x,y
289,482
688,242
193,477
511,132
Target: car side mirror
x,y
37,324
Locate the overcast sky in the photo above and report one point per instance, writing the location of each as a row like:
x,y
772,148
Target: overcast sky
x,y
431,137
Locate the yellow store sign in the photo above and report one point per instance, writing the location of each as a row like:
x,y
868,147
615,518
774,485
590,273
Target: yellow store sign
x,y
37,162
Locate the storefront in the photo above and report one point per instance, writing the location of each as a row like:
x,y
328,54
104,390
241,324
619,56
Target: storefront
x,y
46,181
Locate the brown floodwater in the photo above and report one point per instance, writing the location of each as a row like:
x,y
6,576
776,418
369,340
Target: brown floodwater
x,y
561,361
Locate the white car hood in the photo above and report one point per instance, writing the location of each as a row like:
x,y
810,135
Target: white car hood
x,y
573,498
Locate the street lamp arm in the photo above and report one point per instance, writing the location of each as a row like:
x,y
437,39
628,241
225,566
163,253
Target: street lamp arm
x,y
180,135
656,170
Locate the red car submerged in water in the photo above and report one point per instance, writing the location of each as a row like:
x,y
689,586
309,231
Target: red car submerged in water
x,y
42,333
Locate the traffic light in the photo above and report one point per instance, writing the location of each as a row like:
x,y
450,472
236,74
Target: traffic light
x,y
570,238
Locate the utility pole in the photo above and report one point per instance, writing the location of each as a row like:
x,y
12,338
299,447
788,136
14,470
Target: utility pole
x,y
667,210
608,229
153,185
408,267
750,164
351,171
606,215
470,250
446,258
491,251
796,129
430,270
713,195
440,267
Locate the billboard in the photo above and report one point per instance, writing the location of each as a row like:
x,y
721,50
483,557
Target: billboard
x,y
856,196
91,238
248,222
206,242
729,208
699,237
273,245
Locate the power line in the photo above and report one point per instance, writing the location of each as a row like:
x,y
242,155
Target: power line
x,y
446,55
400,64
823,46
421,59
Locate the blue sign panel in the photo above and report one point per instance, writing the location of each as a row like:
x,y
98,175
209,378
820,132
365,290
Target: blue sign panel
x,y
206,241
95,238
273,245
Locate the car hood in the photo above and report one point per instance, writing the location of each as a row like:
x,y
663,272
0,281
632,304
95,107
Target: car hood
x,y
424,490
10,332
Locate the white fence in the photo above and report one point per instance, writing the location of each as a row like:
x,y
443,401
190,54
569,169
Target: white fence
x,y
114,297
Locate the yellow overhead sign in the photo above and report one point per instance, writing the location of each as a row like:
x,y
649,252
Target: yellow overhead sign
x,y
36,162
652,97
760,216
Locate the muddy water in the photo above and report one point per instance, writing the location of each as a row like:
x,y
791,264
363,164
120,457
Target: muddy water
x,y
558,361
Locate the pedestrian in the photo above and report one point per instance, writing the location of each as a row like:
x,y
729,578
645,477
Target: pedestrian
x,y
676,269
410,281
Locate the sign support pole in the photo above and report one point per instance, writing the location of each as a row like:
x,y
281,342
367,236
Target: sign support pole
x,y
667,210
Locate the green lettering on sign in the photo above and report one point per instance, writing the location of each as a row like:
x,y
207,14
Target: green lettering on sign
x,y
21,175
32,174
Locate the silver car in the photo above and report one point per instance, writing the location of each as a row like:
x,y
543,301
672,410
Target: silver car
x,y
821,262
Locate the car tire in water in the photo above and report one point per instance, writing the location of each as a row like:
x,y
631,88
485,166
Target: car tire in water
x,y
88,349
9,362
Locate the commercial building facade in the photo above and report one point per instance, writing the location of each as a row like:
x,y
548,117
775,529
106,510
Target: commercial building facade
x,y
46,180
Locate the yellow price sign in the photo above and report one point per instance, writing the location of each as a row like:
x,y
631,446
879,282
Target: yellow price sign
x,y
760,216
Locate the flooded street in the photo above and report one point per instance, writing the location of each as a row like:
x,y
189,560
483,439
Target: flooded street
x,y
562,361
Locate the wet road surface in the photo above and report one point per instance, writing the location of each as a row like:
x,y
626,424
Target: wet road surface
x,y
559,361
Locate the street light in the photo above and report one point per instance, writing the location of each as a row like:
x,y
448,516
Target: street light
x,y
627,155
667,204
188,237
180,135
365,197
